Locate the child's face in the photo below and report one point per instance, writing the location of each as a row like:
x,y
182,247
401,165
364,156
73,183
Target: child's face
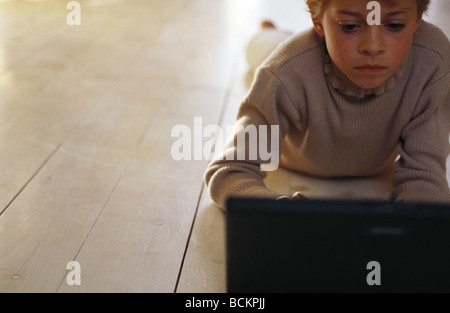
x,y
368,55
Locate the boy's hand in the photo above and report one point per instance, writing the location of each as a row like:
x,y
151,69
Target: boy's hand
x,y
296,196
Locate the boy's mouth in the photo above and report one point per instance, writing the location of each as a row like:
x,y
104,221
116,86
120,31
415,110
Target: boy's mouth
x,y
371,69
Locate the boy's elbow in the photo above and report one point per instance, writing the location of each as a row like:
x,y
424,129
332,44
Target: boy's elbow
x,y
213,183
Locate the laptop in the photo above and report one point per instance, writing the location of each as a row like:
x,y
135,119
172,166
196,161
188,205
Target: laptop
x,y
337,246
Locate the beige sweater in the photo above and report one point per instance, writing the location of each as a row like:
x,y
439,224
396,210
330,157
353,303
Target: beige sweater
x,y
330,127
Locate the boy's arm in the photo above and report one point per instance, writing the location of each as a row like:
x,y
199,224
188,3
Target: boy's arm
x,y
420,173
267,110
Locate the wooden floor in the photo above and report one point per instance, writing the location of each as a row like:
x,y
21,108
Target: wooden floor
x,y
86,115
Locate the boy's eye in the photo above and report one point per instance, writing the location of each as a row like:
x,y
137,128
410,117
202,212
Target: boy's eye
x,y
395,27
350,27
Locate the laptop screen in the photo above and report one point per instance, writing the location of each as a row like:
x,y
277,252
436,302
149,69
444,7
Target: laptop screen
x,y
337,246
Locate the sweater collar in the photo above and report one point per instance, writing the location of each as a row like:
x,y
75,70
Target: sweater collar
x,y
339,81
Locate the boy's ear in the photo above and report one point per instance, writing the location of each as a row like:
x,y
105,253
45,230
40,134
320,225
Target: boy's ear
x,y
318,26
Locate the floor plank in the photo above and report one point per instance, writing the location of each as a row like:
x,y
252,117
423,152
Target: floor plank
x,y
154,84
204,269
95,131
41,101
137,243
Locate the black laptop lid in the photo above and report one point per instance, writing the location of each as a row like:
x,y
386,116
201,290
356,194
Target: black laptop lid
x,y
337,246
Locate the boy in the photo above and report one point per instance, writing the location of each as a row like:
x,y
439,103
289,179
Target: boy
x,y
349,99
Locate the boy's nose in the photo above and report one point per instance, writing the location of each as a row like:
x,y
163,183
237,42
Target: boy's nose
x,y
372,42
